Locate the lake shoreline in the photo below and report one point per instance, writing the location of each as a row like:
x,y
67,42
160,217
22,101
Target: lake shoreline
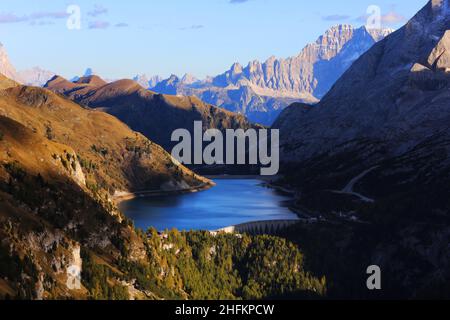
x,y
266,181
158,193
248,204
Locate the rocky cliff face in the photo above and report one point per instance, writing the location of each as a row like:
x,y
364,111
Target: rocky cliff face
x,y
35,76
317,62
261,90
380,139
383,95
146,81
6,68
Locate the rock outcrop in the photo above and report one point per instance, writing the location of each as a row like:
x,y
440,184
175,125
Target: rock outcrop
x,y
6,68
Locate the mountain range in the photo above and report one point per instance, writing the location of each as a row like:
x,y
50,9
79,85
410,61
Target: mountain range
x,y
60,167
154,115
261,90
147,82
33,77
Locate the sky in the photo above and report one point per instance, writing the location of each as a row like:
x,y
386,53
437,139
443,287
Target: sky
x,y
119,39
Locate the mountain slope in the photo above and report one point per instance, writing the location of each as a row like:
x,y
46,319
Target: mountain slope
x,y
394,80
318,65
147,82
375,151
262,90
156,116
6,83
60,165
62,236
117,158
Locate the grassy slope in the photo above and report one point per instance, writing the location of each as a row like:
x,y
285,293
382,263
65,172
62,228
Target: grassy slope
x,y
6,83
49,206
115,157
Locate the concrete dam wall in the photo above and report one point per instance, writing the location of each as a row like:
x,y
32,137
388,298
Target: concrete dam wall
x,y
259,227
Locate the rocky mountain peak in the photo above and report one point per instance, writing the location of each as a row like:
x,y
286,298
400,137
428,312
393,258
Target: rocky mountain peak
x,y
236,69
173,78
408,66
260,90
188,79
147,81
339,30
439,59
440,7
6,68
89,72
91,80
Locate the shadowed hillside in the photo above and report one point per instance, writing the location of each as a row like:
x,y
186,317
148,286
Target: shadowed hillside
x,y
154,115
373,155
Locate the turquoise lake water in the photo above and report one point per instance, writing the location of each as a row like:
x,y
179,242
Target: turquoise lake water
x,y
231,202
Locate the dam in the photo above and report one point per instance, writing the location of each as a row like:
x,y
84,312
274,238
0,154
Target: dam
x,y
269,227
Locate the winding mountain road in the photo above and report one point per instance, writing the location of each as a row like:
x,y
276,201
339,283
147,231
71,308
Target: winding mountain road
x,y
348,189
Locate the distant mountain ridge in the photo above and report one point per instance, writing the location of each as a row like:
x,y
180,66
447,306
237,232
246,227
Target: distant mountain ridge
x,y
261,90
154,115
36,76
61,168
373,98
147,82
33,77
6,68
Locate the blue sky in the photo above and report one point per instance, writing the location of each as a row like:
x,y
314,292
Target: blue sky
x,y
119,39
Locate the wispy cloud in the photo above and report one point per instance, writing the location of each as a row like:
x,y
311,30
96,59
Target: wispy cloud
x,y
389,19
392,18
33,18
238,1
97,11
336,17
121,25
49,15
11,18
99,24
193,27
42,23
